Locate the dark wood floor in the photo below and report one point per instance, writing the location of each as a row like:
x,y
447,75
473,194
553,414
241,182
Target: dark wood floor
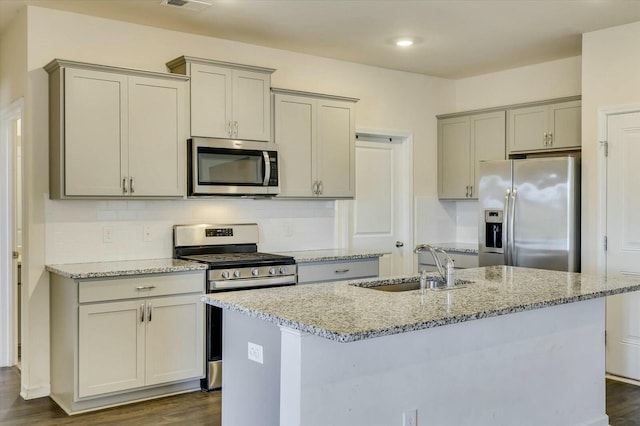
x,y
202,408
192,409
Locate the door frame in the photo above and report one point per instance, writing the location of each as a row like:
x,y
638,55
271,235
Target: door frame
x,y
603,116
8,295
343,209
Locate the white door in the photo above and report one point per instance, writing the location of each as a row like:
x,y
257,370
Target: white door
x,y
381,211
623,234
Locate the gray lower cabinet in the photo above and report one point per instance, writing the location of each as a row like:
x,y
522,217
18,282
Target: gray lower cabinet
x,y
116,340
337,270
460,260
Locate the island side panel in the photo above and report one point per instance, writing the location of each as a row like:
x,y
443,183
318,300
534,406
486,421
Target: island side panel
x,y
250,390
544,366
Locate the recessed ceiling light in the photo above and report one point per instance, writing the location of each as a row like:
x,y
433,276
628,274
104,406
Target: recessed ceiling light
x,y
404,42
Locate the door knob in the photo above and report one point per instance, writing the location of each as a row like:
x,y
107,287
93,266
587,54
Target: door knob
x,y
399,244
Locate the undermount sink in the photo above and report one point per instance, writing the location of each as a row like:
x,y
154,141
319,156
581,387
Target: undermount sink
x,y
430,284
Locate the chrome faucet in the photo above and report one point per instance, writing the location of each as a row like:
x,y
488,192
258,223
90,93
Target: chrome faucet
x,y
446,274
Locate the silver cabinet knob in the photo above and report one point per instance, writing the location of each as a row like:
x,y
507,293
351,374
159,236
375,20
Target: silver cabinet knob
x,y
399,244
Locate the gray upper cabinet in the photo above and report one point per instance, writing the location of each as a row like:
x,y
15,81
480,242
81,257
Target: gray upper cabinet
x,y
464,141
229,101
115,132
545,127
315,135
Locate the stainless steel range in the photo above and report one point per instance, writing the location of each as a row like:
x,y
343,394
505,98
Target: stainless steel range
x,y
231,251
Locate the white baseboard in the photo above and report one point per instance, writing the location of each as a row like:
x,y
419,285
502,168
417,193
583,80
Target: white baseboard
x,y
622,379
35,391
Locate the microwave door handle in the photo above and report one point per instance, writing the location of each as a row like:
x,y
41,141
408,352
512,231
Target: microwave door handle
x,y
267,168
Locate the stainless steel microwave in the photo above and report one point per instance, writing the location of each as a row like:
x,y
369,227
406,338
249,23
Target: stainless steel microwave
x,y
232,167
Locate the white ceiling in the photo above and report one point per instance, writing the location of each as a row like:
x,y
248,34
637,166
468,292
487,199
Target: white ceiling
x,y
460,38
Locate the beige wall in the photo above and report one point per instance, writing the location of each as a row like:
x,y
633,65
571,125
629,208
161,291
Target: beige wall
x,y
13,60
548,80
389,100
610,77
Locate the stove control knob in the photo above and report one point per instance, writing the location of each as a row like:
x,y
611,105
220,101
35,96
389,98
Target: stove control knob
x,y
255,272
236,273
225,274
283,270
272,271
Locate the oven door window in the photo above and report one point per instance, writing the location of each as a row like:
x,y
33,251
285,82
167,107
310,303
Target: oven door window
x,y
230,167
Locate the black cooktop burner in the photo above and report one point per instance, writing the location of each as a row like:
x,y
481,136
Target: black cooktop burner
x,y
223,260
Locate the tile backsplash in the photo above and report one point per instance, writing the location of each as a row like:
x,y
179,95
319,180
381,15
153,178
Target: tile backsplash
x,y
92,231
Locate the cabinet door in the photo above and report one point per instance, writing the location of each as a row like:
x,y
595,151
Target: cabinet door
x,y
565,124
488,141
110,347
251,105
175,338
95,108
335,150
527,128
157,140
211,100
454,158
295,136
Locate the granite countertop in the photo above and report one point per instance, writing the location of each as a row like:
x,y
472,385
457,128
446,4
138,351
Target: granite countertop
x,y
345,312
307,256
124,267
465,248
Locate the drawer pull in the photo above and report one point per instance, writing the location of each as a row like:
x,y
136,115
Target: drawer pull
x,y
341,271
149,309
145,287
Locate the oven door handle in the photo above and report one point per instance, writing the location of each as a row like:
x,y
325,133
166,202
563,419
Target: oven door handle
x,y
267,168
215,285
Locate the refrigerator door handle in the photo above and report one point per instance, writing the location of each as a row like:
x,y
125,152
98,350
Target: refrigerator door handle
x,y
505,227
512,222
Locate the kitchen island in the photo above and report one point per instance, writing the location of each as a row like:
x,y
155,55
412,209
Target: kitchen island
x,y
516,346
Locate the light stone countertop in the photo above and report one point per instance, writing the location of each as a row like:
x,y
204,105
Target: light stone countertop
x,y
123,268
344,312
307,256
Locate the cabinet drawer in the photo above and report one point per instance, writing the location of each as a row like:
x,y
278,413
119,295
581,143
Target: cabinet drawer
x,y
460,260
337,270
140,286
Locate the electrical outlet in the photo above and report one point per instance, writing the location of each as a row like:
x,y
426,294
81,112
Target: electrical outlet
x,y
254,352
410,418
146,233
107,234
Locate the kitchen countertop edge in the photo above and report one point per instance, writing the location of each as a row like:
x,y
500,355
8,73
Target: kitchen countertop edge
x,y
123,268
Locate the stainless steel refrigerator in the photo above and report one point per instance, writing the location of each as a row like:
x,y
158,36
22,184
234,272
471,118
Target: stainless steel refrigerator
x,y
530,213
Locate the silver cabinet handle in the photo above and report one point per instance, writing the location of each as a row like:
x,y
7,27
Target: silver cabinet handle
x,y
550,139
124,185
235,125
512,221
505,227
145,287
132,182
320,188
466,194
546,139
314,188
142,313
399,244
341,271
471,191
149,310
229,128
